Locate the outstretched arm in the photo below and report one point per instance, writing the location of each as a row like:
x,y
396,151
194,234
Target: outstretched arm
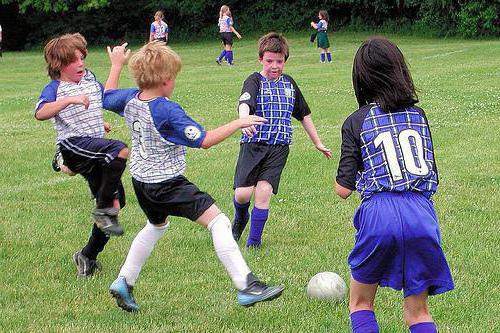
x,y
219,134
118,56
309,127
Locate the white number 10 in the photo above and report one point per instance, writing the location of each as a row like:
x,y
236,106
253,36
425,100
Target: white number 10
x,y
385,139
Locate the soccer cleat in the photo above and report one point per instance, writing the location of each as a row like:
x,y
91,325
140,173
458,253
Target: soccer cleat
x,y
218,61
257,291
106,219
57,160
85,266
122,292
238,227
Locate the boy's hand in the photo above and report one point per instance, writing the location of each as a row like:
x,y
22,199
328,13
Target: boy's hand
x,y
119,54
250,121
107,127
238,35
324,150
249,131
81,100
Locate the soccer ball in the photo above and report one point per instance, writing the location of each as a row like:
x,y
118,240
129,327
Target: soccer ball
x,y
327,285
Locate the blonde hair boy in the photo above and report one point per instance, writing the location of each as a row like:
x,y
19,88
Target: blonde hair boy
x,y
153,63
161,130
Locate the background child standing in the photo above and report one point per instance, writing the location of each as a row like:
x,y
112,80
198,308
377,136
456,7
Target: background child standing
x,y
159,28
388,157
161,130
322,36
73,101
226,31
264,148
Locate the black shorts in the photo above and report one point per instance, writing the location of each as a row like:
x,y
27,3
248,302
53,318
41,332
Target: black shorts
x,y
82,154
176,197
164,40
227,38
87,156
259,161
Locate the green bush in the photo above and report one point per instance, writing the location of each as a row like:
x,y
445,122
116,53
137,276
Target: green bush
x,y
478,18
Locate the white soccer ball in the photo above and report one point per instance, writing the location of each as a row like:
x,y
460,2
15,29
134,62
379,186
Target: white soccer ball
x,y
327,285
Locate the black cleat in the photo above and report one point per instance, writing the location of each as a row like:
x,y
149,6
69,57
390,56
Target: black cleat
x,y
106,219
85,266
57,160
238,228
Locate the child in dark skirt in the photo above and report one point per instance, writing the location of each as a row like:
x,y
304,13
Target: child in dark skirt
x,y
387,155
321,36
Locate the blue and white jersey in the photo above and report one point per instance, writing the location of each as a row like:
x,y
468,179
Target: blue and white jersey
x,y
387,151
160,131
225,24
322,25
277,101
159,30
74,120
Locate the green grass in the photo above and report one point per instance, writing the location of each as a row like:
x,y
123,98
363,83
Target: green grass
x,y
44,216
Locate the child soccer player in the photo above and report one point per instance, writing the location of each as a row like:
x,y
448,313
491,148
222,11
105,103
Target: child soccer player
x,y
226,30
159,28
264,148
161,131
322,36
388,157
73,101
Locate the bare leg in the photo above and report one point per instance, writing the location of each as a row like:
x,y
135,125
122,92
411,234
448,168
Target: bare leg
x,y
416,310
361,296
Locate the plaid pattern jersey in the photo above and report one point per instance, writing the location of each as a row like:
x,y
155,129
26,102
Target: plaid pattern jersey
x,y
391,151
160,131
277,101
74,120
406,162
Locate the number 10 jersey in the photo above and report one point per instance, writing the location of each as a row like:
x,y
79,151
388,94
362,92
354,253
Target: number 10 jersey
x,y
387,152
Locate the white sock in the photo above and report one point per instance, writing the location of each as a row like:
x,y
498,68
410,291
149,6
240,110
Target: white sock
x,y
228,251
140,250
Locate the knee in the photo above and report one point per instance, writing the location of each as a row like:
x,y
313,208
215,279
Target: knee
x,y
123,153
263,194
264,188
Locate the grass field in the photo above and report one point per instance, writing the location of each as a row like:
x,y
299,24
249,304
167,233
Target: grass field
x,y
45,216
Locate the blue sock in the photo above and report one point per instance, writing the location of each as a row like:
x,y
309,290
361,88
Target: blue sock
x,y
229,57
364,321
241,211
329,57
258,221
427,327
322,56
222,54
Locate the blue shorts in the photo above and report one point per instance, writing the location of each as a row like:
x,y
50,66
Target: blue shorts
x,y
397,244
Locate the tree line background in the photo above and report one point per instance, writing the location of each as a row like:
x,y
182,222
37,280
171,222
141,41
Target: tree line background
x,y
30,23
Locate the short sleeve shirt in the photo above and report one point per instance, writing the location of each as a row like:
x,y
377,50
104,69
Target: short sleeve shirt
x,y
322,25
225,23
276,100
387,151
160,131
159,30
75,120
